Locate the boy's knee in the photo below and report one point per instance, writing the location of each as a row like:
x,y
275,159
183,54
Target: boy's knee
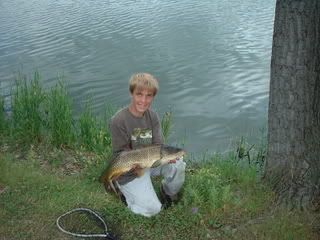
x,y
173,183
148,209
155,209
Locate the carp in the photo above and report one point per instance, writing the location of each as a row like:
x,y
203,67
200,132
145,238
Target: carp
x,y
141,158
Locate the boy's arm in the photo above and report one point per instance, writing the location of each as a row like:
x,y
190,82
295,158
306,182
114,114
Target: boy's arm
x,y
120,139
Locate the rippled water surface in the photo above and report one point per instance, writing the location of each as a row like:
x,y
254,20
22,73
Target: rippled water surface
x,y
212,58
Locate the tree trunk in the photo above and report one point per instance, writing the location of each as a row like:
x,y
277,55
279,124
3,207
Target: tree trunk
x,y
293,154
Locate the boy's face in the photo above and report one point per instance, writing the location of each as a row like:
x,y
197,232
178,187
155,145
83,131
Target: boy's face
x,y
141,99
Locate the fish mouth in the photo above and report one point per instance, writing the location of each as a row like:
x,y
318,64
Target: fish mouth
x,y
183,153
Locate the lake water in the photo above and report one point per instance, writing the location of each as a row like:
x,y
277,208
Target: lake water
x,y
212,58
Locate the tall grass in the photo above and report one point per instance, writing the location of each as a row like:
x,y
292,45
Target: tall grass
x,y
59,115
40,115
27,108
94,136
88,129
252,154
3,122
166,125
93,131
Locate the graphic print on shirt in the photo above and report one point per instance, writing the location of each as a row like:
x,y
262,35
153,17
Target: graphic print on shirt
x,y
141,137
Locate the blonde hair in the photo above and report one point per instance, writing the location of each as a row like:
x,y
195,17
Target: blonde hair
x,y
143,80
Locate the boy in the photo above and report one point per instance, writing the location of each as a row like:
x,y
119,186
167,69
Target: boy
x,y
136,126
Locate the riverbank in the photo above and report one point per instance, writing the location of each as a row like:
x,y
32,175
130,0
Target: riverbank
x,y
221,199
50,163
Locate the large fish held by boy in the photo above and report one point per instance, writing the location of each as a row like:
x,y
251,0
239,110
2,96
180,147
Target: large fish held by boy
x,y
141,158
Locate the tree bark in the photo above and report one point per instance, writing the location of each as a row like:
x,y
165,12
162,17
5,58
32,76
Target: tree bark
x,y
293,154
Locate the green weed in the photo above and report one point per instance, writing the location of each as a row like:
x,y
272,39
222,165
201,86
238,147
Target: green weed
x,y
59,116
40,116
88,129
3,121
166,125
27,108
222,186
94,136
93,132
253,154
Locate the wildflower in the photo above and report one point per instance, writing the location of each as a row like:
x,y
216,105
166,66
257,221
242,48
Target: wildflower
x,y
194,210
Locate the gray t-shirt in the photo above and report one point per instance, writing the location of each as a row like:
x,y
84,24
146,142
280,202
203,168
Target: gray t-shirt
x,y
129,132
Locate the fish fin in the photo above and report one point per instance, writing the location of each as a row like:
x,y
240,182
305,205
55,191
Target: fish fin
x,y
156,163
113,187
110,187
106,186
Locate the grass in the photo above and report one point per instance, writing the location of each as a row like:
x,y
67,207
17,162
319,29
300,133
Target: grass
x,y
27,100
50,162
45,115
38,198
166,125
3,122
216,203
93,132
59,116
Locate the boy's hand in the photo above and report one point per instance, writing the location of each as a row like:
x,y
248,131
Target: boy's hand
x,y
174,160
137,170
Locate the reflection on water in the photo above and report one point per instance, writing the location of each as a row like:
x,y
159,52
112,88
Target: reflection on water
x,y
212,57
